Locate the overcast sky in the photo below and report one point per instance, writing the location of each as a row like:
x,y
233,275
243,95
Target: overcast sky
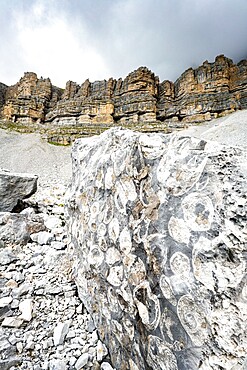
x,y
98,39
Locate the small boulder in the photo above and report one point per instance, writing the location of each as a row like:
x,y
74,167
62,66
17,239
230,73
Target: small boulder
x,y
15,187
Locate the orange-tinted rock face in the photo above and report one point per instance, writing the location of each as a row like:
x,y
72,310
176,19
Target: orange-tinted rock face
x,y
199,94
131,99
29,99
204,93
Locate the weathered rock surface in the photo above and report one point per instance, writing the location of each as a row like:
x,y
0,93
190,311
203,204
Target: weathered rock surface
x,y
132,99
16,228
211,90
29,100
15,187
158,225
3,89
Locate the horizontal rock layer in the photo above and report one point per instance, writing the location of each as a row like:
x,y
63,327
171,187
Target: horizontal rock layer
x,y
200,94
158,225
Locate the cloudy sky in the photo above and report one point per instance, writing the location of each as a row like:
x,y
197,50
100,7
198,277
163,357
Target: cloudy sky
x,y
97,39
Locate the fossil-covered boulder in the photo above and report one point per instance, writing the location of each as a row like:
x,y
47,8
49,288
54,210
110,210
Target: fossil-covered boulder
x,y
15,187
158,225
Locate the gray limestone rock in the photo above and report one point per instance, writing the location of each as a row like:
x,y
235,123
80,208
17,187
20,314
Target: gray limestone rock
x,y
82,361
10,363
60,331
43,237
158,227
57,365
15,228
15,187
7,257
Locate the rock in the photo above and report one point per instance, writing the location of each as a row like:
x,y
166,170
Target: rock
x,y
60,331
10,363
5,301
52,222
26,307
101,351
19,347
160,248
106,366
12,322
57,365
28,100
57,245
42,237
7,348
15,187
204,93
7,257
15,228
82,361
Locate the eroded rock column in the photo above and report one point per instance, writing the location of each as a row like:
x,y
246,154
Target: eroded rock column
x,y
158,226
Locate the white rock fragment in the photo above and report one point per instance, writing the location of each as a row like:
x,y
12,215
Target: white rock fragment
x,y
112,256
57,365
82,361
5,301
125,241
19,347
12,322
94,337
52,222
26,308
106,366
57,245
60,332
43,237
101,350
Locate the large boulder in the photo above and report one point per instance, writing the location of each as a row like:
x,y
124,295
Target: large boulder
x,y
15,187
158,225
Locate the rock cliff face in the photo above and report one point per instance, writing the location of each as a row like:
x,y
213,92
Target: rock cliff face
x,y
113,101
158,225
29,100
3,89
204,93
200,94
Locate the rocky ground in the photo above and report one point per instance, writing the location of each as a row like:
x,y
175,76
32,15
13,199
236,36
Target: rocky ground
x,y
43,322
229,130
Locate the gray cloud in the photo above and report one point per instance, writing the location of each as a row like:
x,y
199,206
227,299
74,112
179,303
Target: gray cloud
x,y
99,39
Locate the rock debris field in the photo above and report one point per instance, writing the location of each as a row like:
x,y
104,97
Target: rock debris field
x,y
44,324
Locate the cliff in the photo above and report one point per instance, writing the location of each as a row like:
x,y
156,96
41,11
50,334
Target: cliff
x,y
30,99
209,91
